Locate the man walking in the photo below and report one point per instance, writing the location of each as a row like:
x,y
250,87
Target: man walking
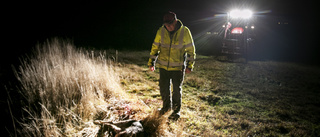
x,y
174,50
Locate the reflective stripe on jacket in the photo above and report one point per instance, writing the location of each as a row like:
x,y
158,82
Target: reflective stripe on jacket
x,y
171,53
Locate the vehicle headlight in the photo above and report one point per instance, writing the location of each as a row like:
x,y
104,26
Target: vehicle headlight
x,y
244,14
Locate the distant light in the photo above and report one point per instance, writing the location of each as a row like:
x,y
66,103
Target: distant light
x,y
244,14
252,27
208,33
223,26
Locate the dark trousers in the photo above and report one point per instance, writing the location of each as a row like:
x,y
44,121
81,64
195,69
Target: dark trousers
x,y
166,78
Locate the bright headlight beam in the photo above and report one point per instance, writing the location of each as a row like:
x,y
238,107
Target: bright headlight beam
x,y
244,14
234,13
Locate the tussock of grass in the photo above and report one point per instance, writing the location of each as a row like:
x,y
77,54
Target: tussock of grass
x,y
65,89
155,125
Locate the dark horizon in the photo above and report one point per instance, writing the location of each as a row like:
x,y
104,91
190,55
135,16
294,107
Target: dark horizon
x,y
132,25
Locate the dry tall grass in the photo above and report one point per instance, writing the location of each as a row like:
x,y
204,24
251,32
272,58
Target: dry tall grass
x,y
66,89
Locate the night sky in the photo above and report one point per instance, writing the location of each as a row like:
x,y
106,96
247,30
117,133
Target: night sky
x,y
132,25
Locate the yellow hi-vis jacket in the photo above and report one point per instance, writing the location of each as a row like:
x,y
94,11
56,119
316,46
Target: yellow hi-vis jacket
x,y
175,52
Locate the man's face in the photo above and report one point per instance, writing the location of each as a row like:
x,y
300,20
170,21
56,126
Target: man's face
x,y
172,26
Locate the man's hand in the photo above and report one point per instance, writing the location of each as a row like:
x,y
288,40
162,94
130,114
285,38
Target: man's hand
x,y
188,70
151,68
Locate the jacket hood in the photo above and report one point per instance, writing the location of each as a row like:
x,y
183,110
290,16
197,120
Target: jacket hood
x,y
179,25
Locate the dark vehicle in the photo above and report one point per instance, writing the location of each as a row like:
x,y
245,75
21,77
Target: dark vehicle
x,y
238,35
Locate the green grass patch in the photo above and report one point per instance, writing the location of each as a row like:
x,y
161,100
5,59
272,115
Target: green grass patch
x,y
254,99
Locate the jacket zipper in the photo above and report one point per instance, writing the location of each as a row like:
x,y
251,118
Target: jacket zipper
x,y
170,47
169,53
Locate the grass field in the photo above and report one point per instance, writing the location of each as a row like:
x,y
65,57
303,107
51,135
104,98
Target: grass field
x,y
65,89
260,98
